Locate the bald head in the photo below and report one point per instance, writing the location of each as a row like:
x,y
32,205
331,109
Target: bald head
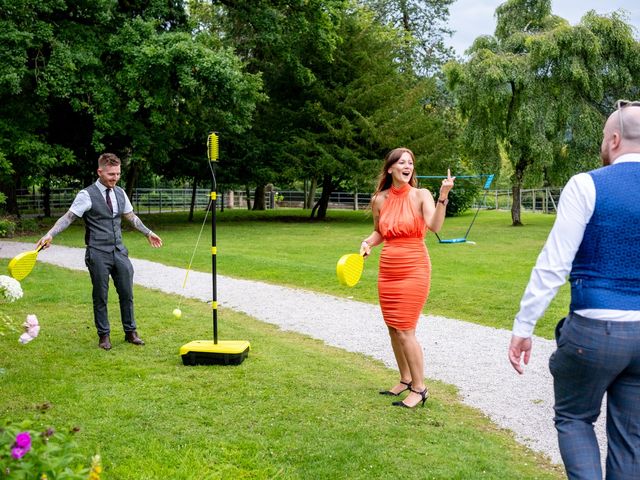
x,y
621,133
628,121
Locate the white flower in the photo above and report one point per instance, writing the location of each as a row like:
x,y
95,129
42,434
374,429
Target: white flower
x,y
10,288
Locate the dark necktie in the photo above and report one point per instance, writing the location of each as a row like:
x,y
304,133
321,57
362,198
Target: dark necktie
x,y
109,200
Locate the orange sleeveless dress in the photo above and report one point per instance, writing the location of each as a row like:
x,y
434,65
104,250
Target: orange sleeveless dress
x,y
404,276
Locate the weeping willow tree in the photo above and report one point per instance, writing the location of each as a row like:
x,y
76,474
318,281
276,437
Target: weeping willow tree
x,y
536,93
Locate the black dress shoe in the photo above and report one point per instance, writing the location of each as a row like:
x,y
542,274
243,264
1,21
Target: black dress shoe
x,y
104,342
132,337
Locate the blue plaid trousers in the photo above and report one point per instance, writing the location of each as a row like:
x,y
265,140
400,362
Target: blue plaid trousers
x,y
594,357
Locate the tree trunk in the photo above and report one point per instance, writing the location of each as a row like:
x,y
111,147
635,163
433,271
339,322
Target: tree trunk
x,y
193,199
258,198
11,205
132,178
516,220
323,204
406,24
308,199
46,190
304,194
248,194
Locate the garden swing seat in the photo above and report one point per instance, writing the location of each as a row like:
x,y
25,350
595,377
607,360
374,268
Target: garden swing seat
x,y
485,187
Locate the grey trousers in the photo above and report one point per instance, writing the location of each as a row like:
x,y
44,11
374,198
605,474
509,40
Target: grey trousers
x,y
101,266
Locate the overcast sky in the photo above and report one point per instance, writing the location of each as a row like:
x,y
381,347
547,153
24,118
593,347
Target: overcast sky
x,y
472,18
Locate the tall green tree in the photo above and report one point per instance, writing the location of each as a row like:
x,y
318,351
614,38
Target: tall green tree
x,y
48,51
425,28
334,86
284,41
335,140
169,90
537,91
361,105
132,76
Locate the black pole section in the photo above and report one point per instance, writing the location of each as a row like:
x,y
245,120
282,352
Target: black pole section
x,y
212,153
214,252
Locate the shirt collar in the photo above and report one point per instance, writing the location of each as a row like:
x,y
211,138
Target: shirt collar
x,y
628,157
101,186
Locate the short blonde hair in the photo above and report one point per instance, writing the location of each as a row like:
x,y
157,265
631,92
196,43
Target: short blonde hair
x,y
108,159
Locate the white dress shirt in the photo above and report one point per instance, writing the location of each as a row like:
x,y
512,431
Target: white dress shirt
x,y
82,202
576,205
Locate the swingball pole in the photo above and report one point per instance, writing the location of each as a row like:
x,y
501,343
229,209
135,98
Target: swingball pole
x,y
204,351
212,154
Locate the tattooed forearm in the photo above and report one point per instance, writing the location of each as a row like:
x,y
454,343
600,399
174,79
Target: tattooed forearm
x,y
62,223
137,223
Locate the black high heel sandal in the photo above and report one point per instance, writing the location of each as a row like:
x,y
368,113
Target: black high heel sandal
x,y
424,394
389,392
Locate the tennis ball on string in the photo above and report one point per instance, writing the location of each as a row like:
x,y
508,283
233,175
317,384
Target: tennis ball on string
x,y
177,312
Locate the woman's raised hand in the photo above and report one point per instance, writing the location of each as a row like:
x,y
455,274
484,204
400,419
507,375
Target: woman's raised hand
x,y
447,184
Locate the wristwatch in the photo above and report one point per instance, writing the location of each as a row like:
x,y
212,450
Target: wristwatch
x,y
443,201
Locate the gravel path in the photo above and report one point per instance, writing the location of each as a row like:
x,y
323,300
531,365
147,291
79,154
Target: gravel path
x,y
469,356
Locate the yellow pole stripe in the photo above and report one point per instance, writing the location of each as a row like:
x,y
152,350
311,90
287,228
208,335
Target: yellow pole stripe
x,y
213,195
214,250
214,305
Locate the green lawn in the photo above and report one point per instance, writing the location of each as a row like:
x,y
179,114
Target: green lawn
x,y
295,409
480,283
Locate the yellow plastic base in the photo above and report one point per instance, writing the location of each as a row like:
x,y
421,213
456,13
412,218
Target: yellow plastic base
x,y
205,352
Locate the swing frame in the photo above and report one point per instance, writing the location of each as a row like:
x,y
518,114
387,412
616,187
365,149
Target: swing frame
x,y
487,184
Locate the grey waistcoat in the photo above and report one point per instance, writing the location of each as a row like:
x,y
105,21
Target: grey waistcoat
x,y
103,231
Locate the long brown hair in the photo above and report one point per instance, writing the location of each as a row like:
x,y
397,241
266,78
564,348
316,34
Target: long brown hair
x,y
385,179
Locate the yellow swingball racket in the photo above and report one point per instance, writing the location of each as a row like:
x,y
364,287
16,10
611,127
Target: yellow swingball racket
x,y
21,265
349,269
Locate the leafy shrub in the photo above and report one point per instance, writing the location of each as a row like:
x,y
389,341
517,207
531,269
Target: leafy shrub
x,y
28,225
461,197
26,454
7,227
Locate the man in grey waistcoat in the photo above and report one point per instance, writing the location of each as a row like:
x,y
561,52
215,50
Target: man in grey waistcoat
x,y
102,206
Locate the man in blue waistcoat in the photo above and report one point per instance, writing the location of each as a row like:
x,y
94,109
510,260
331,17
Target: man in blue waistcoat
x,y
102,205
596,241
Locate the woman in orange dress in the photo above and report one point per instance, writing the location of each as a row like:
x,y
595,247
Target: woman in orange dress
x,y
401,215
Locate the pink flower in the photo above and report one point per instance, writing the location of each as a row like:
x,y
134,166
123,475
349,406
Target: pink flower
x,y
21,446
32,321
31,327
25,338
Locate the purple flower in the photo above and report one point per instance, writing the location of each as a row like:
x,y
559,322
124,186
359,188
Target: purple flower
x,y
21,446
